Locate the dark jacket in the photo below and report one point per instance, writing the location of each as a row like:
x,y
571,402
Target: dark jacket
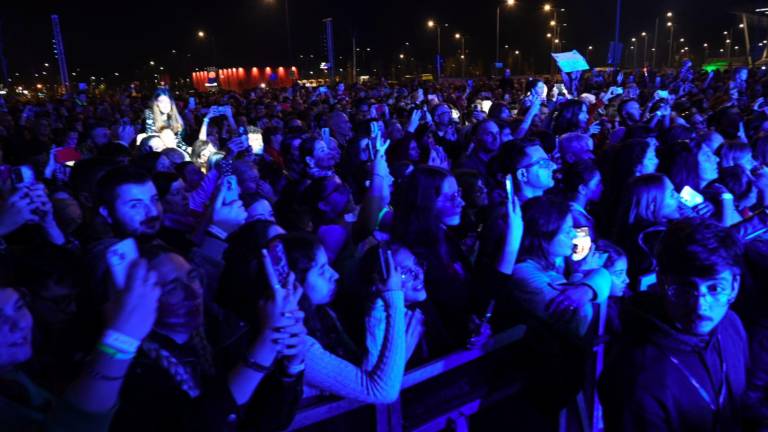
x,y
151,400
643,389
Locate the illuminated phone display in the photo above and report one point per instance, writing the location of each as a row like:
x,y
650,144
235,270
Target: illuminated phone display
x,y
582,244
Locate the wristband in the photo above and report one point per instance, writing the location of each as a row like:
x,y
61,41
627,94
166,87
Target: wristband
x,y
120,341
113,353
726,196
256,366
217,232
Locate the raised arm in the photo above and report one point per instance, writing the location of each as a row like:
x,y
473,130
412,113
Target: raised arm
x,y
381,383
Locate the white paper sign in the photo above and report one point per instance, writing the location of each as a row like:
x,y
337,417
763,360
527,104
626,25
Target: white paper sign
x,y
570,61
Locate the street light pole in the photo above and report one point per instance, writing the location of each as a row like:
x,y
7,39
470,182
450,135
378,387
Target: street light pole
x,y
671,42
430,24
645,48
463,58
671,26
498,25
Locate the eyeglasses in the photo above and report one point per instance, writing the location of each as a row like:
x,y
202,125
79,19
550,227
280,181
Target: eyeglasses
x,y
716,292
544,162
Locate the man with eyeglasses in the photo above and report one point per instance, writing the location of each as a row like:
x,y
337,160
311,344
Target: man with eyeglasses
x,y
532,170
680,362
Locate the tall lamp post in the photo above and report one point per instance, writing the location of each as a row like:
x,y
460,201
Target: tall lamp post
x,y
498,24
671,38
645,48
435,24
203,36
463,58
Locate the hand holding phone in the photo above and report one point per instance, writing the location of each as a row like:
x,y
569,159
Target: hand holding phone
x,y
120,256
22,175
582,244
690,197
510,186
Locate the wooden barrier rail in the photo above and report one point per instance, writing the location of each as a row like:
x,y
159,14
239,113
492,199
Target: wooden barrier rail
x,y
392,417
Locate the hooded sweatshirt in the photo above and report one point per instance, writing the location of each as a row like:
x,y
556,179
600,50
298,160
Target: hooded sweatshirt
x,y
661,379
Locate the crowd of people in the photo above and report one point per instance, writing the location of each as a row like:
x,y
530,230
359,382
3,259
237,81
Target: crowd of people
x,y
294,243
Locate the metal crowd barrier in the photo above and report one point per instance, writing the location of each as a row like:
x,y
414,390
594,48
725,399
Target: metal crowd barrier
x,y
457,386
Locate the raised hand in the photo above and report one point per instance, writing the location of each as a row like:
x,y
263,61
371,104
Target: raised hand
x,y
394,280
126,133
228,215
236,145
413,123
18,210
438,158
134,309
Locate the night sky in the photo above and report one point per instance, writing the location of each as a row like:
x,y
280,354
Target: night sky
x,y
105,37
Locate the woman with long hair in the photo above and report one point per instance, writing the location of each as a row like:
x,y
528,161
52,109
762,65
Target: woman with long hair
x,y
650,202
333,363
427,204
164,115
572,116
631,158
542,287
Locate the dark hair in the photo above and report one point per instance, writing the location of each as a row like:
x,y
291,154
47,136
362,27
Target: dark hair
x,y
494,112
417,223
567,117
197,149
144,146
113,150
576,174
736,179
107,185
467,180
84,177
301,252
622,105
307,148
614,252
512,154
243,282
163,182
761,149
317,191
680,162
698,247
543,217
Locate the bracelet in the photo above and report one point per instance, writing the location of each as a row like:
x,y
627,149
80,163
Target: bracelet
x,y
217,232
93,373
115,354
256,366
120,341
